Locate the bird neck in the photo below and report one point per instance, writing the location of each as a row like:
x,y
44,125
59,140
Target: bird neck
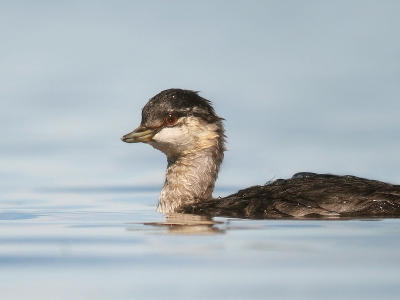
x,y
191,177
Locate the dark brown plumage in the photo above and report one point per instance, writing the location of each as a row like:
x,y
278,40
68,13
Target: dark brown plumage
x,y
307,195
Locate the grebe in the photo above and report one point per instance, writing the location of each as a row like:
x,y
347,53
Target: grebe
x,y
185,127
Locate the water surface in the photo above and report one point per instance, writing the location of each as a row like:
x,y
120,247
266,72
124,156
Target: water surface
x,y
117,246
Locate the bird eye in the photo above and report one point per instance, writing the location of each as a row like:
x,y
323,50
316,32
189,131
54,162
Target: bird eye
x,y
171,119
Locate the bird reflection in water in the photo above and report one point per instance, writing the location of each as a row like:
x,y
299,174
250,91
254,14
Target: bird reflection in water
x,y
177,223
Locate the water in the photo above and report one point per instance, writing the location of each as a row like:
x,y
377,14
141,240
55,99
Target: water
x,y
117,247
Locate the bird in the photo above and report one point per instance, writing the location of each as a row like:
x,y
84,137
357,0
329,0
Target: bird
x,y
185,127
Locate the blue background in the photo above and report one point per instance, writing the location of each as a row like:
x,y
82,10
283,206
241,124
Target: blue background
x,y
303,86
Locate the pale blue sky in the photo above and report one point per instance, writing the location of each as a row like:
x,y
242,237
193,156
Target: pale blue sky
x,y
303,86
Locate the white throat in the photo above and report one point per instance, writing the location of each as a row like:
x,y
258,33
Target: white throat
x,y
194,152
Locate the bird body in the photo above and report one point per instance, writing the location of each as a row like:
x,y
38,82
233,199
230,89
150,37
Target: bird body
x,y
308,195
186,128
